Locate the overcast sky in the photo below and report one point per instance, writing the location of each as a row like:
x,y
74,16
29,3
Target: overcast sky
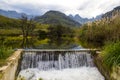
x,y
85,8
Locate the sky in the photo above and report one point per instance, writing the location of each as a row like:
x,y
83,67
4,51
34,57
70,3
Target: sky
x,y
85,8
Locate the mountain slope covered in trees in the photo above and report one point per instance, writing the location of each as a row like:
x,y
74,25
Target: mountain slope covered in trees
x,y
6,22
114,12
56,17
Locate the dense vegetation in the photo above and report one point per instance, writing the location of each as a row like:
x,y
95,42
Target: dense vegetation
x,y
98,33
5,52
111,55
105,35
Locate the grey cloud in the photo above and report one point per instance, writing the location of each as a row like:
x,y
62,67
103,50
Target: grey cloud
x,y
84,5
32,9
87,8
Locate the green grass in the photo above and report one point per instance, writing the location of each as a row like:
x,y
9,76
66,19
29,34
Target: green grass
x,y
4,54
10,32
111,55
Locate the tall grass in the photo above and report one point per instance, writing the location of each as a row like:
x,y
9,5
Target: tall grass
x,y
5,52
111,54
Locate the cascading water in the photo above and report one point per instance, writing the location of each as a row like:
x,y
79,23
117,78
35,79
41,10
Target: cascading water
x,y
58,65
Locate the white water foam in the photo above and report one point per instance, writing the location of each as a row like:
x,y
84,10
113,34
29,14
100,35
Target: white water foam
x,y
82,73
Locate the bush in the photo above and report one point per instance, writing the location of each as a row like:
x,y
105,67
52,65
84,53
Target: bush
x,y
97,33
5,52
111,55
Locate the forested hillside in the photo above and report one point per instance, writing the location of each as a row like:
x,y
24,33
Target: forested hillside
x,y
56,17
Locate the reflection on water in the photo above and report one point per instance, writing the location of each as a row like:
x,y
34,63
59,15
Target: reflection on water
x,y
57,43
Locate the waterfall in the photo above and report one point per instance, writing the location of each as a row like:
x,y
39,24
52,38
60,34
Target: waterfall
x,y
58,65
56,60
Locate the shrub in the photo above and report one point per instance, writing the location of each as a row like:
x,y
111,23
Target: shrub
x,y
5,52
111,54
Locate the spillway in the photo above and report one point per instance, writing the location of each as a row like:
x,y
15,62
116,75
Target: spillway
x,y
58,65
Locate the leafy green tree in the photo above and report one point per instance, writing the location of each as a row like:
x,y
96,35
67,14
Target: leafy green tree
x,y
42,34
59,34
27,27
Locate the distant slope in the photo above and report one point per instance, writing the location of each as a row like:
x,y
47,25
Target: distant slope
x,y
56,17
7,23
81,20
112,13
12,14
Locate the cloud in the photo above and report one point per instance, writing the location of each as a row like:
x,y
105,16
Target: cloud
x,y
85,8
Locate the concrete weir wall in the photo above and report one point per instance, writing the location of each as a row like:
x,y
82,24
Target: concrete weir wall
x,y
8,71
114,74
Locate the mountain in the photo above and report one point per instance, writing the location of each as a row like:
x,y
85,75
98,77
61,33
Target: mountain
x,y
112,13
84,20
56,17
12,14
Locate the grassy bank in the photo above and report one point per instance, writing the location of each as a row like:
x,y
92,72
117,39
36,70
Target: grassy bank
x,y
111,55
4,54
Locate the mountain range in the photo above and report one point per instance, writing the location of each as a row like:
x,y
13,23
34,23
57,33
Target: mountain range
x,y
77,19
13,14
56,17
81,20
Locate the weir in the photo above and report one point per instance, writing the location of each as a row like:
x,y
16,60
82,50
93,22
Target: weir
x,y
55,64
58,64
55,59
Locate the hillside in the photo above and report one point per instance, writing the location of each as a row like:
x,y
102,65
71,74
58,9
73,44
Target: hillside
x,y
6,23
112,13
56,17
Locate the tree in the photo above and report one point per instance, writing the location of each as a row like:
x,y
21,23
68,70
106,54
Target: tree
x,y
27,27
42,34
59,34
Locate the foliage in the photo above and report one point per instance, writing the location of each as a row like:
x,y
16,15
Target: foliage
x,y
5,52
98,33
7,23
42,34
10,32
14,42
27,27
111,54
59,34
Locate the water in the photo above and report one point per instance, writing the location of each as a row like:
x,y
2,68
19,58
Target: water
x,y
58,65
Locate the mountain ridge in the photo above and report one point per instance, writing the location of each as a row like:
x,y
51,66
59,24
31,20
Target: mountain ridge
x,y
81,20
13,14
110,14
56,17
